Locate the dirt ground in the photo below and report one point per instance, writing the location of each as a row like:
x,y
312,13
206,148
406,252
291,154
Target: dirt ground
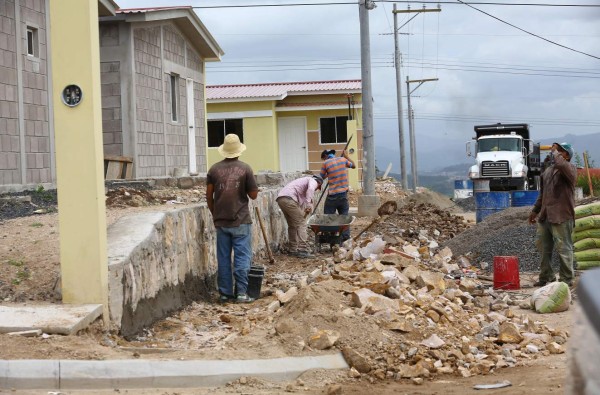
x,y
29,267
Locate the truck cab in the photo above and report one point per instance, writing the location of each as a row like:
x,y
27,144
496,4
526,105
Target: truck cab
x,y
505,157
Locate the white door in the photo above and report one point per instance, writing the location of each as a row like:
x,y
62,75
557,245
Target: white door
x,y
292,144
191,127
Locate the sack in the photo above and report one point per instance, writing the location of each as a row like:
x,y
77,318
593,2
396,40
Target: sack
x,y
552,298
588,255
584,265
586,244
591,222
587,209
586,234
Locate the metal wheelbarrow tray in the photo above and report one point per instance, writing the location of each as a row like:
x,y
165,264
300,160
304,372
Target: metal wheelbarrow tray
x,y
328,228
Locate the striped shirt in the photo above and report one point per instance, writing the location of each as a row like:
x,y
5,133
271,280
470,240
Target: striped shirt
x,y
334,169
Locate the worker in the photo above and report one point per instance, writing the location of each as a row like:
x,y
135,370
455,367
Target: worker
x,y
554,210
335,169
296,201
229,184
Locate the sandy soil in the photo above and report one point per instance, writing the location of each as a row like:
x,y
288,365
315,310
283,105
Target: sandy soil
x,y
210,331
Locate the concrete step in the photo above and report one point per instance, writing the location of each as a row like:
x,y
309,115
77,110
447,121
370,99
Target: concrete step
x,y
62,319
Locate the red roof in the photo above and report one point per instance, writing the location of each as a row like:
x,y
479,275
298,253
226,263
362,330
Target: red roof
x,y
150,9
279,90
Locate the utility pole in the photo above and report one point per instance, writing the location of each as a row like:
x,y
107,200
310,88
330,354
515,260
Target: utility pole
x,y
399,102
410,112
369,201
411,128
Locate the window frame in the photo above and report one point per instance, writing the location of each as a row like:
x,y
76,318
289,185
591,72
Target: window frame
x,y
336,120
225,131
32,45
174,90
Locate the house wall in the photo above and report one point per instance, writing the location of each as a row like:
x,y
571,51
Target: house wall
x,y
159,50
260,133
26,139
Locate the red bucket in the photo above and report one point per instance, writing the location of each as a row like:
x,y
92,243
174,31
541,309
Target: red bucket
x,y
506,273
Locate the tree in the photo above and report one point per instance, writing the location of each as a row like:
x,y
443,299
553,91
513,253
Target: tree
x,y
577,160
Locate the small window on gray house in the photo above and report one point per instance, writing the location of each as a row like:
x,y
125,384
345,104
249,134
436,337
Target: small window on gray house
x,y
218,129
174,78
33,47
333,130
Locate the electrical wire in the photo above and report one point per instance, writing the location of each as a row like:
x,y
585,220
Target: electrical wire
x,y
528,32
395,1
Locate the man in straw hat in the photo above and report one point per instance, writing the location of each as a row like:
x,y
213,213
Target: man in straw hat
x,y
554,210
229,184
296,200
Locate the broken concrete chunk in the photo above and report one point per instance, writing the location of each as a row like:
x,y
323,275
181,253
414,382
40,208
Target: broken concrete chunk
x,y
433,341
431,280
287,296
555,348
509,333
372,302
406,371
396,260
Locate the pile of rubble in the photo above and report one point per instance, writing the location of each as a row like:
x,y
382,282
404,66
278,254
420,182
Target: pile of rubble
x,y
394,315
139,197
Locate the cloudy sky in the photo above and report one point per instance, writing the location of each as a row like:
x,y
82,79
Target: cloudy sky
x,y
488,71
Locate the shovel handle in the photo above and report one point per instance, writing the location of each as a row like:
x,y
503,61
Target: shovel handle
x,y
262,228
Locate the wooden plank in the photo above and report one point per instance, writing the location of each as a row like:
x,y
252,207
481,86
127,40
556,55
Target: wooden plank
x,y
118,158
128,171
113,172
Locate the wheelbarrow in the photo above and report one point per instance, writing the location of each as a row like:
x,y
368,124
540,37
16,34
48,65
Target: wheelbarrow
x,y
328,228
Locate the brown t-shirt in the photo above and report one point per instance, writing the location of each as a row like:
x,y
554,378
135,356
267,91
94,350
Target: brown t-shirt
x,y
232,180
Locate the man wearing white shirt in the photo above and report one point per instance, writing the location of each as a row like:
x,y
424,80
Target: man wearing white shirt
x,y
296,200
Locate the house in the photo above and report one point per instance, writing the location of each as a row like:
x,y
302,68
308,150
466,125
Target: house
x,y
287,125
153,78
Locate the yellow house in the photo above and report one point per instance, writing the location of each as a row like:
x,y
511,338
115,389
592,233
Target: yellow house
x,y
286,125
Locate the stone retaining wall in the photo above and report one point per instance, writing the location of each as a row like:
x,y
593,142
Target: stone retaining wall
x,y
160,262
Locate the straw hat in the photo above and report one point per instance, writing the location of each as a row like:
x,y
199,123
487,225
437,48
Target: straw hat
x,y
231,147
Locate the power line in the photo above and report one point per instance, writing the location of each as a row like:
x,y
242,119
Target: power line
x,y
396,1
528,32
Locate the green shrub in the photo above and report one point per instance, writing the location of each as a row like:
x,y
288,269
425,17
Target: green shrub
x,y
582,182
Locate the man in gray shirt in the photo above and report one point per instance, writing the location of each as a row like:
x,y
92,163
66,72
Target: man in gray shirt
x,y
229,184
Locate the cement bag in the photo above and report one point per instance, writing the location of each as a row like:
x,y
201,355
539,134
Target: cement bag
x,y
584,265
588,255
552,298
587,210
591,222
586,244
586,234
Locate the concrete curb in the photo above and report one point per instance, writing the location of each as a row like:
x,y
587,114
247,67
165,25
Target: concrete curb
x,y
72,374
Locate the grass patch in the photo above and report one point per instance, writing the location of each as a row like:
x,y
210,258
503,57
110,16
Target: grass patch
x,y
36,225
22,274
582,182
14,262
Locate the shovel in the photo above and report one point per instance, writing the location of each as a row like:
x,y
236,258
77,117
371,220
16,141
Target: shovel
x,y
264,233
386,209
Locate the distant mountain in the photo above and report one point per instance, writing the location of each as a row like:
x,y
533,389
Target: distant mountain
x,y
439,155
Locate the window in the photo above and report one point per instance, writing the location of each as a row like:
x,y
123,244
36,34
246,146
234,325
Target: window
x,y
499,144
333,130
32,42
174,97
218,129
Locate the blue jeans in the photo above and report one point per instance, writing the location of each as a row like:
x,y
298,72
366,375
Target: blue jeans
x,y
239,240
338,203
550,236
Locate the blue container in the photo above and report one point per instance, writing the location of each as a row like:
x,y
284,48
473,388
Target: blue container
x,y
488,203
463,184
524,198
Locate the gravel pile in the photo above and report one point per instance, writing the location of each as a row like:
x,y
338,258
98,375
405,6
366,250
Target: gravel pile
x,y
41,201
467,204
506,233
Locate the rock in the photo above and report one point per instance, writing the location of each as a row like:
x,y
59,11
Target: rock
x,y
431,280
529,337
411,250
433,341
285,326
417,380
400,326
356,360
372,302
380,374
396,260
509,333
393,293
449,267
464,372
353,373
445,253
273,306
411,272
530,348
406,371
491,330
468,284
287,296
29,333
323,339
435,317
555,348
412,352
494,316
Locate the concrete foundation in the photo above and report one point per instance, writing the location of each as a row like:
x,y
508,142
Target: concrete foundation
x,y
368,205
160,262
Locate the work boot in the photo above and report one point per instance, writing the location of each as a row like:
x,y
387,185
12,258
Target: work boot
x,y
243,298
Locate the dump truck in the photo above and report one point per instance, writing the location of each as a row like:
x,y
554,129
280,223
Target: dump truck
x,y
506,157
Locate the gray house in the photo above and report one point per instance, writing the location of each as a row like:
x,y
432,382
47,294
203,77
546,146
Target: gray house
x,y
153,78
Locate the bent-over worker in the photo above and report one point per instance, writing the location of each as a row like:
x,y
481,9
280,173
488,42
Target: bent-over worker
x,y
296,200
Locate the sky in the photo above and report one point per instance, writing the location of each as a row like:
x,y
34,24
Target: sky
x,y
488,71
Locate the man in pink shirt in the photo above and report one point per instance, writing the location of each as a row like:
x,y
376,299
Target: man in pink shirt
x,y
296,200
